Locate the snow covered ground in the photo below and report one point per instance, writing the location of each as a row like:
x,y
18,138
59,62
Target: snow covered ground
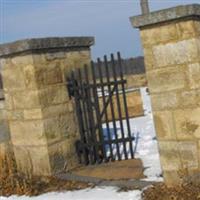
x,y
146,149
98,193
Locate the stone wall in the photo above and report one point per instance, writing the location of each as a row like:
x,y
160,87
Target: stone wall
x,y
40,114
171,42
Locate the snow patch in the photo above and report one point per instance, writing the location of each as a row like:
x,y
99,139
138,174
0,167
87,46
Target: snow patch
x,y
97,193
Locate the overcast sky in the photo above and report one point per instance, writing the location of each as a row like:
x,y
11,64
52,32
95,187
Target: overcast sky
x,y
106,20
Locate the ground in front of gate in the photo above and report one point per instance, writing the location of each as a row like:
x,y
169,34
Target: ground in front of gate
x,y
129,169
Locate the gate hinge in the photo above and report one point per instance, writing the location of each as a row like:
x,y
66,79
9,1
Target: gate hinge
x,y
70,88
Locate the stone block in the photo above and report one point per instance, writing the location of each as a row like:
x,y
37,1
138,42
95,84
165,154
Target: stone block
x,y
10,82
54,110
29,132
60,127
2,104
13,115
148,58
9,105
172,177
39,60
74,60
2,114
72,126
187,122
186,29
55,55
197,27
33,160
177,53
189,154
63,155
162,34
164,101
166,79
5,62
52,129
30,77
52,95
188,98
164,125
26,99
33,114
170,155
194,77
22,60
49,74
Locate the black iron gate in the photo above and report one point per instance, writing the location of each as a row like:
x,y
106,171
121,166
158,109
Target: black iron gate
x,y
101,140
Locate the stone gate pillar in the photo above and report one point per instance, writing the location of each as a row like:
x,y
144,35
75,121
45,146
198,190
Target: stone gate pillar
x,y
39,113
171,42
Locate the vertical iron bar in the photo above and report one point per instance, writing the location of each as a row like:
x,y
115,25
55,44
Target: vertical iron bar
x,y
79,115
118,105
125,105
98,116
104,105
91,116
112,107
85,115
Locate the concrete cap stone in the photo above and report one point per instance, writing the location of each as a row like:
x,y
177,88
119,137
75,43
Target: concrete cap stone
x,y
166,15
44,44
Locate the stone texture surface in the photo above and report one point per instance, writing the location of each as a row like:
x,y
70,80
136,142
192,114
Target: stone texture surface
x,y
166,15
194,78
38,111
172,55
187,123
167,79
33,160
164,125
170,155
36,44
178,53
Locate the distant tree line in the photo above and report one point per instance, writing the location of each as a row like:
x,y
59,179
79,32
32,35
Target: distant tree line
x,y
129,66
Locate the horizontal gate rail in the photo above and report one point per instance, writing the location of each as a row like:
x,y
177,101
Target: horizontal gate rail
x,y
111,83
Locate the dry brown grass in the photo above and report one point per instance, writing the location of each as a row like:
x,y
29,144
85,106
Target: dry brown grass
x,y
13,182
186,191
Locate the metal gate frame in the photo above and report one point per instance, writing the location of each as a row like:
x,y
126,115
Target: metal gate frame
x,y
84,88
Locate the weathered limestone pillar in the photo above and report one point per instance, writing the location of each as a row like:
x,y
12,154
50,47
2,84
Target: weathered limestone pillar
x,y
40,115
171,42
